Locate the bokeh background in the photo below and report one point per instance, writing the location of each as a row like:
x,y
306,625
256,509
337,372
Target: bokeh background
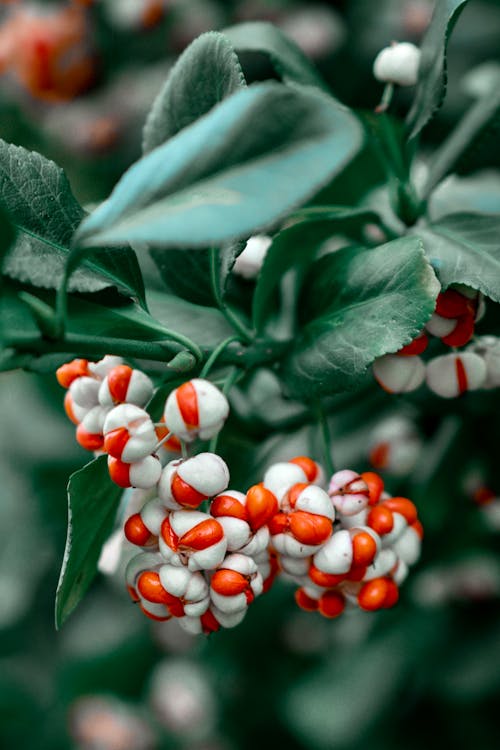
x,y
427,671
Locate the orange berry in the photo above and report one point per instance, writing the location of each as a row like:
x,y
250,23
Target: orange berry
x,y
326,580
168,535
115,441
392,596
173,443
305,602
149,587
89,440
225,505
119,472
308,466
261,506
404,507
156,618
118,382
279,524
417,346
68,408
381,520
331,604
375,486
364,549
372,594
310,528
187,401
295,491
208,622
71,371
184,494
228,582
136,531
462,333
203,535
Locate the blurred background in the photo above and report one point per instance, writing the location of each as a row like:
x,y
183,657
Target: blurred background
x,y
76,81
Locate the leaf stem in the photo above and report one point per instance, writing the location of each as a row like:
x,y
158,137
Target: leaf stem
x,y
230,316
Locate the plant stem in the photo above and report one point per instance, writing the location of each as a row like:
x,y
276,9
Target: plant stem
x,y
215,355
327,445
230,316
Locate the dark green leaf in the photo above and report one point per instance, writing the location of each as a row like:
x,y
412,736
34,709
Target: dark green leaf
x,y
247,163
286,57
465,249
185,273
431,86
298,244
42,207
92,504
205,74
359,304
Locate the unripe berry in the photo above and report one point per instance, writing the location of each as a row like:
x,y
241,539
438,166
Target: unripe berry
x,y
398,64
196,409
453,374
84,392
349,492
188,483
125,385
250,260
399,374
143,474
129,433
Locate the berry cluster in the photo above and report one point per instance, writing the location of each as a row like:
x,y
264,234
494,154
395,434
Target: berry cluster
x,y
448,375
209,551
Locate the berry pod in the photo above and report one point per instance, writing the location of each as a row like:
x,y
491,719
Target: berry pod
x,y
398,64
129,433
395,446
439,326
137,565
346,549
451,375
280,477
84,392
89,433
67,373
384,564
309,498
268,566
143,528
188,587
299,533
235,584
104,366
397,374
143,474
415,347
488,348
172,444
123,385
188,483
244,518
391,517
250,260
194,539
349,492
408,545
196,409
73,411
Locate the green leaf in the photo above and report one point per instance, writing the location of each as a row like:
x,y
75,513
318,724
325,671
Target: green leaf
x,y
42,207
286,57
298,244
93,500
205,74
465,249
239,169
482,121
359,304
185,273
432,79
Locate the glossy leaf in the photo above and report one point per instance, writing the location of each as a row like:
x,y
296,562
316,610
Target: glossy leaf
x,y
298,244
357,305
206,326
206,73
93,501
239,169
38,197
465,249
286,57
432,79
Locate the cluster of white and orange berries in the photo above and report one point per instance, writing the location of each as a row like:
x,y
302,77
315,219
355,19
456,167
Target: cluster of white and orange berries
x,y
209,551
106,401
447,375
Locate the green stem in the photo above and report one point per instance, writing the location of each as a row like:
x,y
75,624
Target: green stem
x,y
230,316
326,438
215,355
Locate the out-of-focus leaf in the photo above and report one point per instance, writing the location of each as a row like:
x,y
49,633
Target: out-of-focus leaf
x,y
239,169
358,304
205,74
431,86
93,500
286,57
